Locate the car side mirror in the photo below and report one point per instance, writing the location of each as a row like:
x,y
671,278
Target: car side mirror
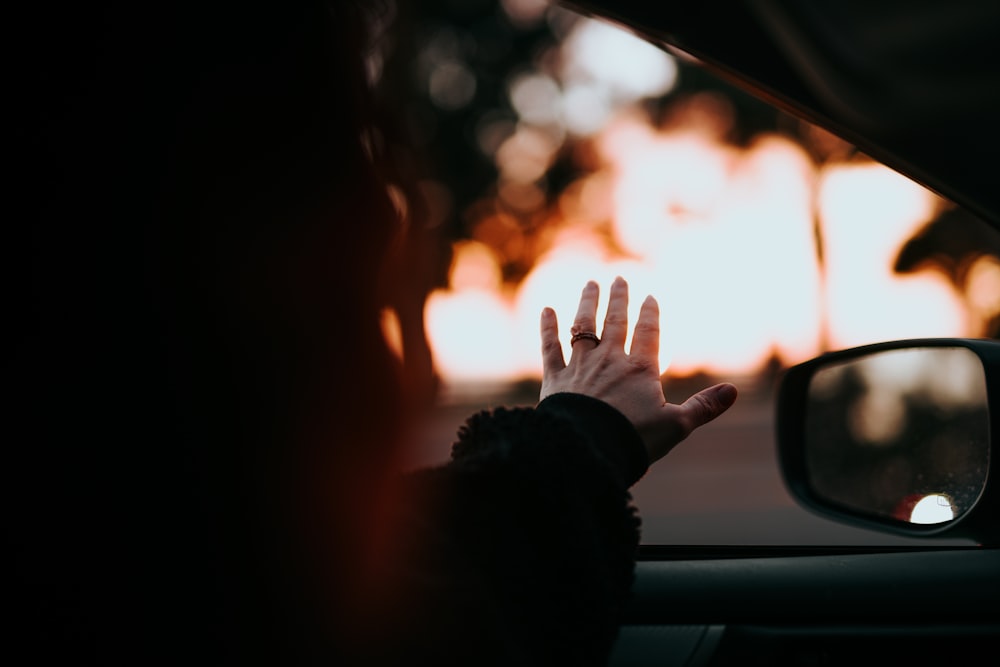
x,y
899,436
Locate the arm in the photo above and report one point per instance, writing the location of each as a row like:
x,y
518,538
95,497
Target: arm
x,y
523,546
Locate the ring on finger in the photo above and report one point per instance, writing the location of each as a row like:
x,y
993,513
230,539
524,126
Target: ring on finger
x,y
584,335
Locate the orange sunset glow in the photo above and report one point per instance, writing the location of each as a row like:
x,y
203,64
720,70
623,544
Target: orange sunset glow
x,y
723,238
755,252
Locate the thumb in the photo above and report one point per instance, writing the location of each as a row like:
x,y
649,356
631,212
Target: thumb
x,y
681,420
707,404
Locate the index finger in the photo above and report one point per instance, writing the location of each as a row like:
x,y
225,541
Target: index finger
x,y
616,319
646,338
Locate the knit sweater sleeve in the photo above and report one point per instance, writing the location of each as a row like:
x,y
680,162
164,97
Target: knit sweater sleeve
x,y
522,547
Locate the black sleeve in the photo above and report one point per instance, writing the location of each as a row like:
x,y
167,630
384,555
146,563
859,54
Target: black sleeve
x,y
605,429
521,549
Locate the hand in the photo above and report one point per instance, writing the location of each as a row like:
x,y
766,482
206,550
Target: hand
x,y
628,382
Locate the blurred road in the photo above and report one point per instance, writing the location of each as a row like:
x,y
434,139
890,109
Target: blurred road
x,y
722,486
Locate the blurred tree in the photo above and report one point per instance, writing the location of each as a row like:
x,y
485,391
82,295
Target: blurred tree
x,y
444,74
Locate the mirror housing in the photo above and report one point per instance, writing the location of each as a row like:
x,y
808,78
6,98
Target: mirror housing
x,y
865,433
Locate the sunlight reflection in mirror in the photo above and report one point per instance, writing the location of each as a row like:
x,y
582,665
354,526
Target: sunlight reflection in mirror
x,y
900,433
933,508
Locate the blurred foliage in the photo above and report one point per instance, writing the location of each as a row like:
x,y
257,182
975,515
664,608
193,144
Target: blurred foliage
x,y
443,143
443,73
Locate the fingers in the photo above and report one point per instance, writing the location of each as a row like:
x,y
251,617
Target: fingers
x,y
707,404
586,312
586,316
552,354
646,338
616,320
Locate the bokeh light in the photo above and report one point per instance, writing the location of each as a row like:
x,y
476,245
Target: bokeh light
x,y
765,242
933,508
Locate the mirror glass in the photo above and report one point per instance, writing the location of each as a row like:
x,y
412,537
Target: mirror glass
x,y
900,433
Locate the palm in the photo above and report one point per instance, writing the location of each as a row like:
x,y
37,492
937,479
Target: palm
x,y
628,382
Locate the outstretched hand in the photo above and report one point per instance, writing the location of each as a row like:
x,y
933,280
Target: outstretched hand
x,y
628,382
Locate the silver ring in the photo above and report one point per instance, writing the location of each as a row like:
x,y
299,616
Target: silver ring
x,y
584,335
